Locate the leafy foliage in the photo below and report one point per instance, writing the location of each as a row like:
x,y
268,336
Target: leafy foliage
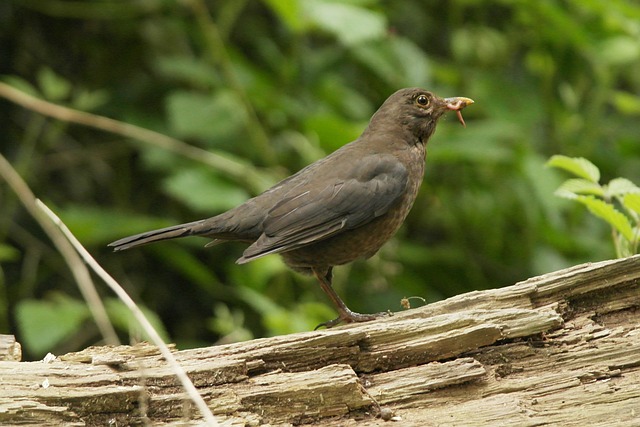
x,y
269,86
599,199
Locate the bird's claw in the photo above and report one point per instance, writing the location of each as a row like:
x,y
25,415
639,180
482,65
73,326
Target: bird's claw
x,y
352,317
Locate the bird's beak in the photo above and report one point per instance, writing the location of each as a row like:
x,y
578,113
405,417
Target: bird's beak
x,y
457,104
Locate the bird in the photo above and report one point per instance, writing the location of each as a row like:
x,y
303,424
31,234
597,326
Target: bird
x,y
338,209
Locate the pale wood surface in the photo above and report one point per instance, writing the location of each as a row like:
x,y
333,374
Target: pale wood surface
x,y
10,349
560,349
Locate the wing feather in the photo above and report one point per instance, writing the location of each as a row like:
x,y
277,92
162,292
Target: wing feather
x,y
309,214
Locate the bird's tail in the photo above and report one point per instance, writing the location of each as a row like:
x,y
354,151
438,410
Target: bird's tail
x,y
172,232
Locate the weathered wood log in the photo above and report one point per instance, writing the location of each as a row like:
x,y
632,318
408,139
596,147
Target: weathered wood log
x,y
559,349
10,349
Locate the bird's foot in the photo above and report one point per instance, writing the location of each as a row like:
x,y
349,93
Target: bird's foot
x,y
349,316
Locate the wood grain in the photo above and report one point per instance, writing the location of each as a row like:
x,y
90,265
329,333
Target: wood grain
x,y
559,349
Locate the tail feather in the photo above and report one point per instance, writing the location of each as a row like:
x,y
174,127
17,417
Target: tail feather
x,y
172,232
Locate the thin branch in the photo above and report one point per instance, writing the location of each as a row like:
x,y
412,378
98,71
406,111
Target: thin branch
x,y
240,172
77,267
137,313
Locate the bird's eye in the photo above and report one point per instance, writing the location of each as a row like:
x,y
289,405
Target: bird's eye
x,y
422,100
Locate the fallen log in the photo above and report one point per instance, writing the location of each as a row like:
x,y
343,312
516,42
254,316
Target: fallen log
x,y
558,349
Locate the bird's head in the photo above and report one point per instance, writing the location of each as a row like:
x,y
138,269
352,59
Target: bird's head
x,y
416,111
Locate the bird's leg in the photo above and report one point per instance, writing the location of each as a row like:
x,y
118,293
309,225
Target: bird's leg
x,y
344,313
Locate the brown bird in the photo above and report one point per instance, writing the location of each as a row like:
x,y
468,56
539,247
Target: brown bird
x,y
340,208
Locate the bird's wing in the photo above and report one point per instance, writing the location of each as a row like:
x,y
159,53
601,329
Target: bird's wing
x,y
311,213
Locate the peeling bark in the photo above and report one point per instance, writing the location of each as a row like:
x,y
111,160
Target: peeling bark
x,y
559,349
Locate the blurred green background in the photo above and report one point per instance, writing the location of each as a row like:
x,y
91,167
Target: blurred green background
x,y
273,85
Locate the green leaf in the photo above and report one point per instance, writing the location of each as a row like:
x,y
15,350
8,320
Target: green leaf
x,y
332,130
191,71
278,320
289,12
565,194
229,323
46,323
623,247
621,186
185,262
619,50
609,213
123,319
97,225
348,23
398,61
194,115
54,87
572,187
22,85
203,191
479,44
86,100
490,143
540,63
626,102
632,202
411,61
259,274
576,165
8,253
